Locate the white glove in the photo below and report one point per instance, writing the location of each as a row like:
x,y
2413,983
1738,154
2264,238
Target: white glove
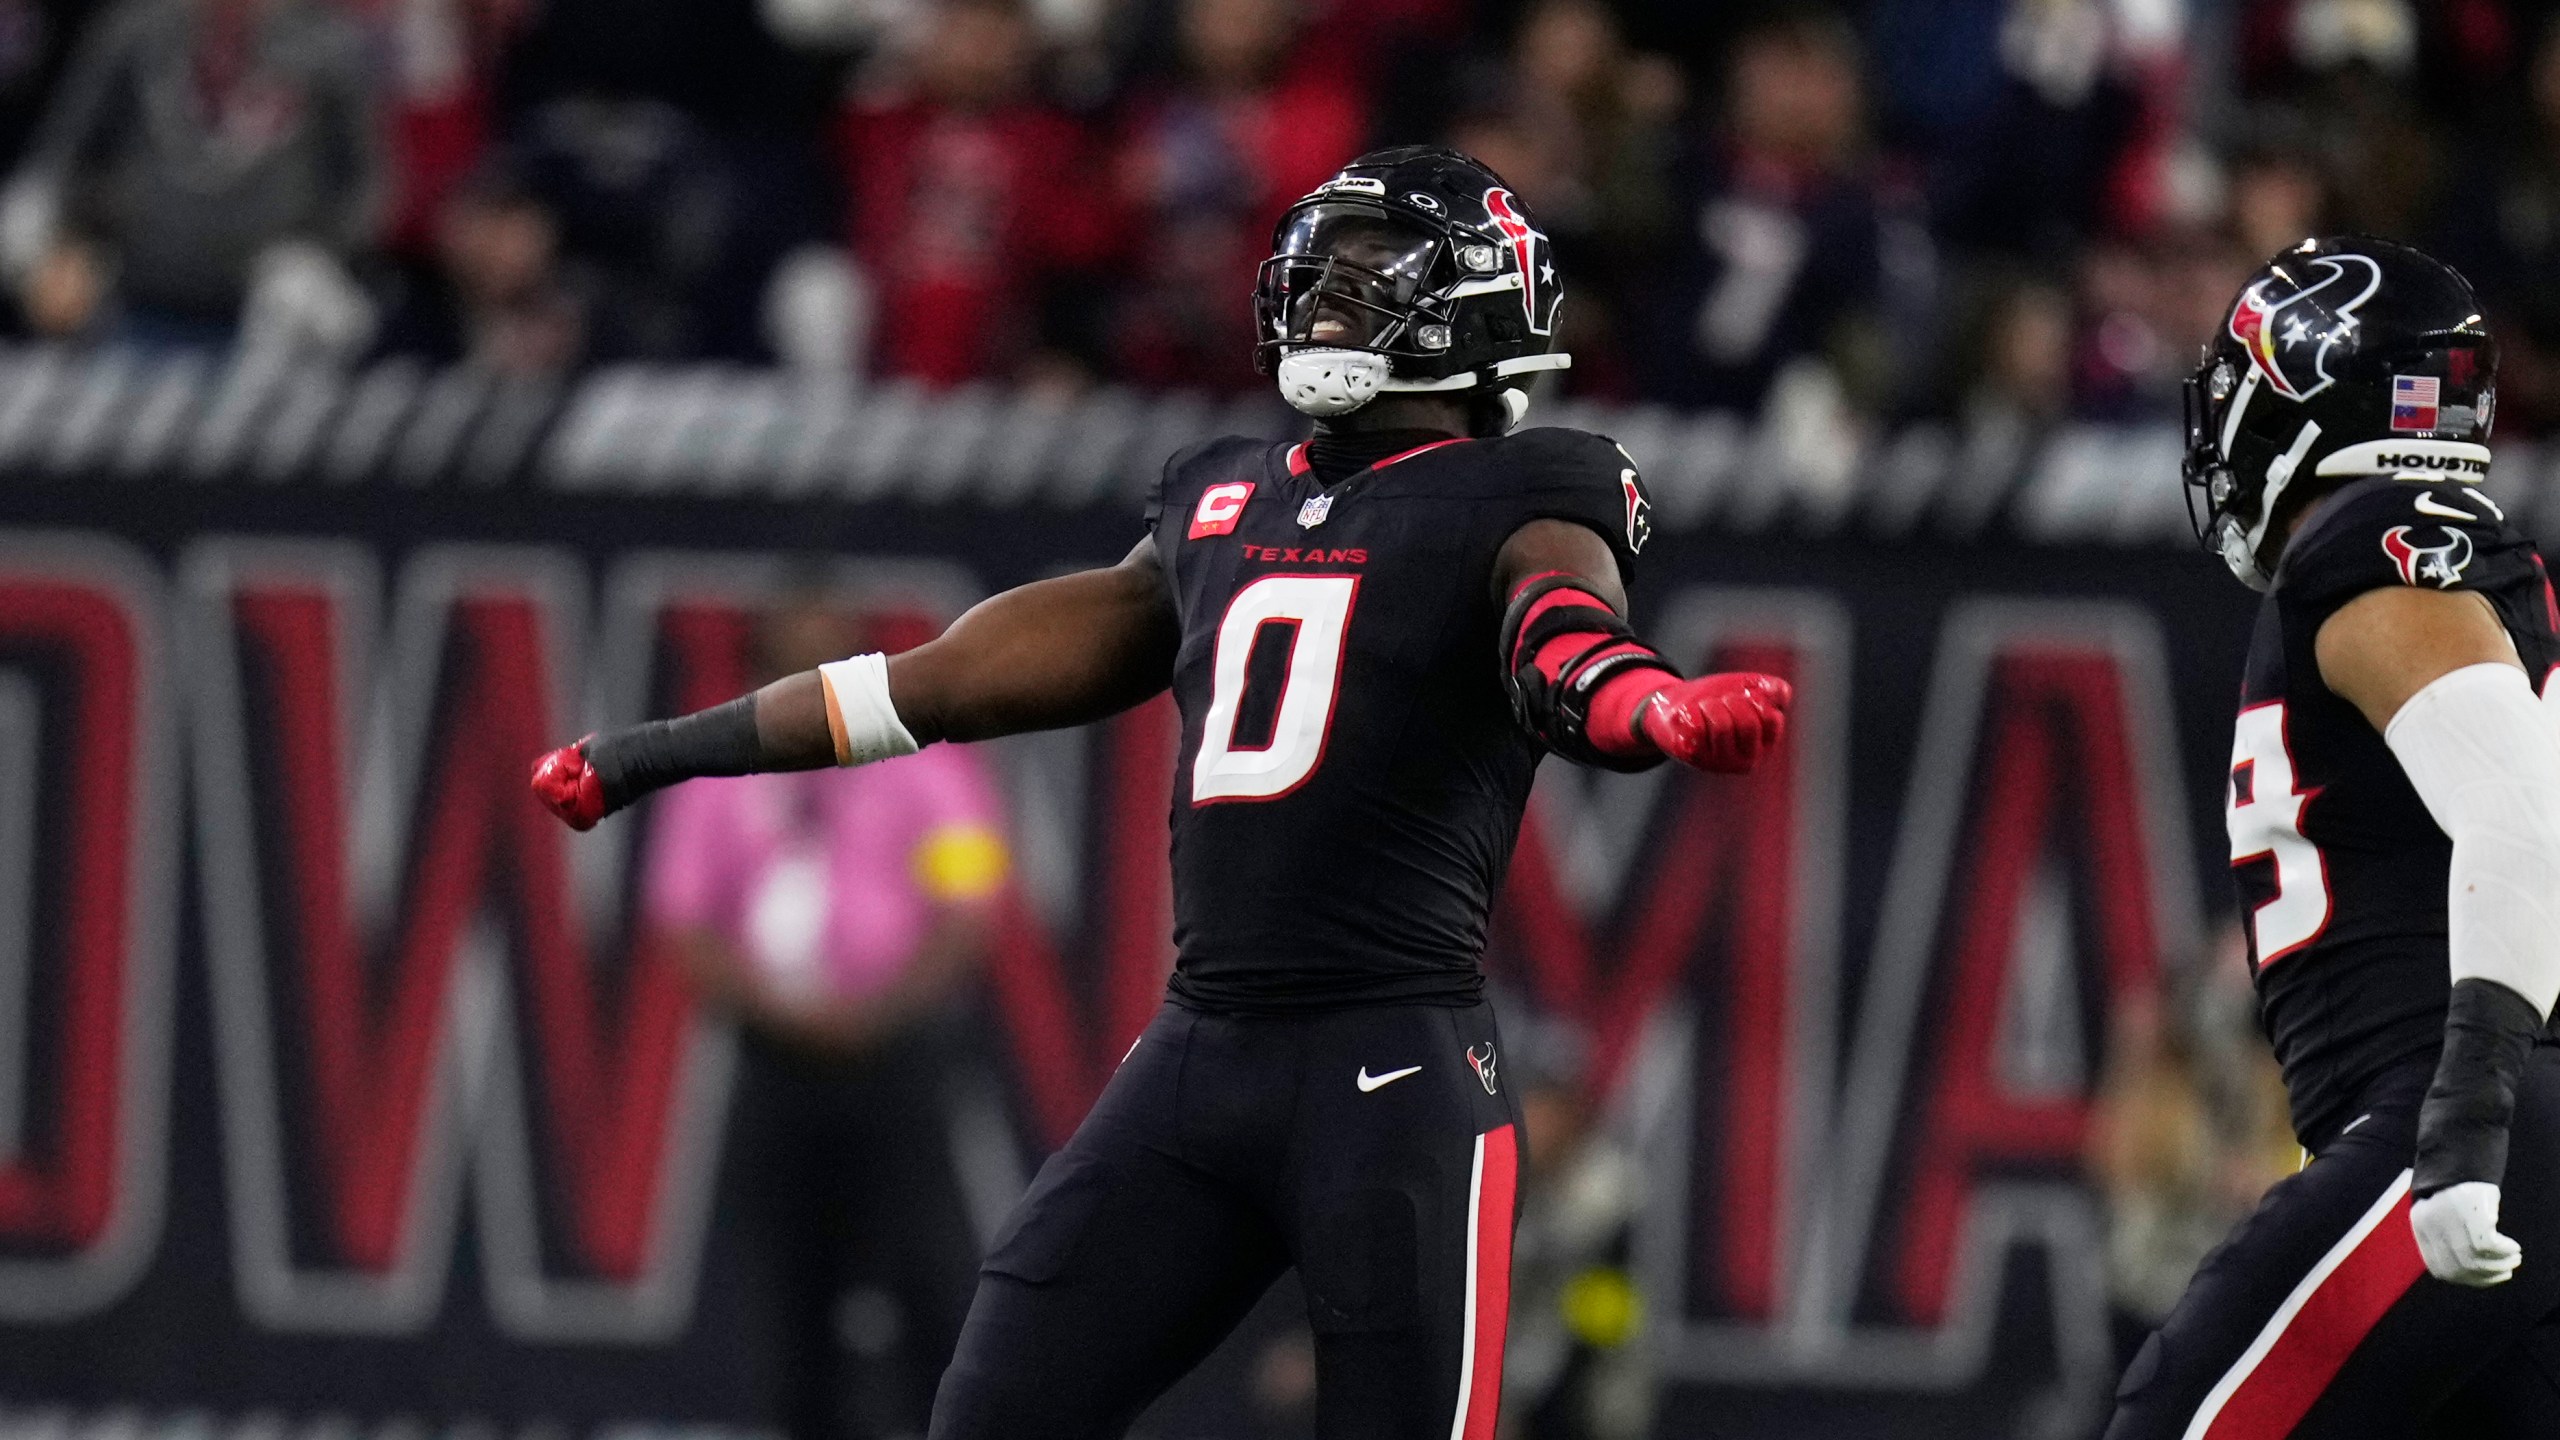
x,y
2457,1230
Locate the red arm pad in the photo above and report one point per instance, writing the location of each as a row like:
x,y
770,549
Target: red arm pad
x,y
1578,673
1614,709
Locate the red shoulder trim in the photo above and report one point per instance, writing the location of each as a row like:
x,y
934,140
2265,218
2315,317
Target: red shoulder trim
x,y
1416,450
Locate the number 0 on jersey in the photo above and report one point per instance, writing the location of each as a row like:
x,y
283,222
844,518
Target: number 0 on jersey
x,y
1318,609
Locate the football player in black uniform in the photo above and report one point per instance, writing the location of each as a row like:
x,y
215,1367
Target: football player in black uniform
x,y
2394,810
1371,637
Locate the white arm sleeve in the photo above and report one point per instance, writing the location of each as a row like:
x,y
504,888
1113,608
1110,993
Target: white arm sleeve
x,y
2482,753
865,724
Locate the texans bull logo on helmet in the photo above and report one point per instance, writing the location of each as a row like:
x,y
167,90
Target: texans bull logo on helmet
x,y
1524,240
2289,327
2440,564
1639,509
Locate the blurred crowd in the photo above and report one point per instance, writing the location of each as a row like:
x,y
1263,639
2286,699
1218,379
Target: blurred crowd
x,y
1998,212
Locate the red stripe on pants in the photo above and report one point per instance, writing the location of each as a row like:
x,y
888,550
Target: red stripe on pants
x,y
2328,1328
1495,1189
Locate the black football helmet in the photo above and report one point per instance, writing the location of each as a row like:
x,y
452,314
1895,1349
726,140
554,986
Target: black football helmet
x,y
1414,269
2342,356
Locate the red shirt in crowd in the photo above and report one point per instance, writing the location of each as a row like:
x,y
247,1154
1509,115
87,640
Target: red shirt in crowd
x,y
1213,173
960,216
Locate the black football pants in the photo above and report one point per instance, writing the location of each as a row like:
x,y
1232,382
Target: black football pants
x,y
2316,1320
1376,1149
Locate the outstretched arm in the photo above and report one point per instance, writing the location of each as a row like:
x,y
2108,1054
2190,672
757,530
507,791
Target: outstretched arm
x,y
1583,682
1044,655
2434,671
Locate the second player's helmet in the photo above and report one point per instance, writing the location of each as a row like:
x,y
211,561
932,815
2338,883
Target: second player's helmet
x,y
1414,269
2342,357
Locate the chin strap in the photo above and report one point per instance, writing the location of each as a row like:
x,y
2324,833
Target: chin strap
x,y
2240,545
1325,381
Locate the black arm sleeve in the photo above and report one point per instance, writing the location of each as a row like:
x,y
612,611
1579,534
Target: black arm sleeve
x,y
2489,1030
637,759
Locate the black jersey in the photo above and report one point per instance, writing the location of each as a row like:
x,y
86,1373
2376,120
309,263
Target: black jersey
x,y
2340,867
1351,778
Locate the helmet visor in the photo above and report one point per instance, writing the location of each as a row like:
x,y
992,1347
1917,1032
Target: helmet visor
x,y
1396,250
1347,275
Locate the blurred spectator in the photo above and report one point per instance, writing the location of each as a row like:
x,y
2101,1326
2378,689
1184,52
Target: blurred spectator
x,y
1841,237
2279,198
2124,360
1789,251
445,58
496,296
2021,376
714,60
2503,231
2024,114
976,207
1249,122
647,209
35,39
202,156
2191,1129
1585,130
1576,1368
840,915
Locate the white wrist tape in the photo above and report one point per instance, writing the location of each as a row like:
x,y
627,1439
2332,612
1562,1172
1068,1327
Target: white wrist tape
x,y
865,724
2484,755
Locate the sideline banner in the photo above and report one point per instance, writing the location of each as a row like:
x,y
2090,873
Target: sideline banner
x,y
337,1081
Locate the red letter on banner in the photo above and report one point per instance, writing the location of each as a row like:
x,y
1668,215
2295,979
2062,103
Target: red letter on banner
x,y
1717,909
83,834
2057,787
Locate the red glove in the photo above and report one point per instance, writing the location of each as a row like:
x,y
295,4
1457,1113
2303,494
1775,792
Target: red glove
x,y
569,787
1718,722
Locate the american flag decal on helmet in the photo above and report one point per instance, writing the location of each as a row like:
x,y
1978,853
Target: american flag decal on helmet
x,y
2413,401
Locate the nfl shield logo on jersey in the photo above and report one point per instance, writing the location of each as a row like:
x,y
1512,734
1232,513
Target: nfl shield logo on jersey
x,y
1311,514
